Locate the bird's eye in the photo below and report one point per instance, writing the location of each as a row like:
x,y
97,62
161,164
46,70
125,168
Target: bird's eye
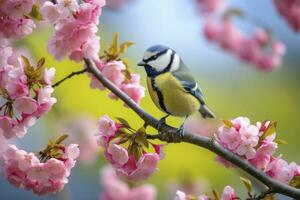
x,y
155,57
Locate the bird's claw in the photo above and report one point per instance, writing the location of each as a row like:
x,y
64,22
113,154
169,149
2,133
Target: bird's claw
x,y
180,131
160,123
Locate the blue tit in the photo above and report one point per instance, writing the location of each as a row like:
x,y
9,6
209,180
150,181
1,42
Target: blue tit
x,y
171,86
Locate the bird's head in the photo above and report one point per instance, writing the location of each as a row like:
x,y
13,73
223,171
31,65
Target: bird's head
x,y
159,59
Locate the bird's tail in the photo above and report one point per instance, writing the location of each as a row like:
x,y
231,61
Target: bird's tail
x,y
205,112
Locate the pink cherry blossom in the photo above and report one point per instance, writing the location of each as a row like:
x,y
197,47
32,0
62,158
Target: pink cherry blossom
x,y
3,148
133,89
290,11
263,51
25,170
228,193
22,101
10,28
75,29
144,192
107,127
114,188
126,165
229,137
180,195
263,155
298,171
15,9
256,145
49,76
51,12
118,154
280,170
203,197
113,72
13,20
25,105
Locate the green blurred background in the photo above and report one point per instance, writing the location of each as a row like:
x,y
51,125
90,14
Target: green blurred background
x,y
232,89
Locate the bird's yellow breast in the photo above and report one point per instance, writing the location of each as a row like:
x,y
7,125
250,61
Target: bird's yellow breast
x,y
176,100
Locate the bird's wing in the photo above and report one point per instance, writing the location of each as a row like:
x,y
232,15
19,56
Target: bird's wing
x,y
189,83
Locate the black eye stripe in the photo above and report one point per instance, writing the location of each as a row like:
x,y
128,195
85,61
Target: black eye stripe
x,y
154,57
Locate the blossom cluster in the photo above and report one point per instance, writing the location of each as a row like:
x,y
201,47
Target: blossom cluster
x,y
256,144
25,170
15,21
290,10
262,50
228,194
131,162
115,71
25,92
111,183
75,28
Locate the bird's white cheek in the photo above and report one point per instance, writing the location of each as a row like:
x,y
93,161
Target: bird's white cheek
x,y
176,63
160,64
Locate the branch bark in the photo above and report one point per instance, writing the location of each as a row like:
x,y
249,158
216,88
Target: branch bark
x,y
169,134
68,77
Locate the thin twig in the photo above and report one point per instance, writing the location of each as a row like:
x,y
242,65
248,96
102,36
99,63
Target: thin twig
x,y
69,76
169,134
264,194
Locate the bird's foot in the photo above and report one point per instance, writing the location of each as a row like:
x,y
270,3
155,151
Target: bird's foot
x,y
180,131
161,123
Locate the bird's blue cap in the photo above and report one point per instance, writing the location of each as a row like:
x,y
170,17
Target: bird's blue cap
x,y
157,48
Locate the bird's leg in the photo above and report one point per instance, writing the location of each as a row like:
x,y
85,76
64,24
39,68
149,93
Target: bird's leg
x,y
162,121
180,130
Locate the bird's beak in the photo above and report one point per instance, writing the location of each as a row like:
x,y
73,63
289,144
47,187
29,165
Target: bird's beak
x,y
142,63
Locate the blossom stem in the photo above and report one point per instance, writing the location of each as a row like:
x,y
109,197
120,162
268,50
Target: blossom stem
x,y
69,76
170,134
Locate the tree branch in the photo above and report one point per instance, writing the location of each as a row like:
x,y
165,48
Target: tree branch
x,y
169,134
264,194
69,76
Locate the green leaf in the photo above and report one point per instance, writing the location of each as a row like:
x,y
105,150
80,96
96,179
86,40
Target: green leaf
x,y
270,197
134,150
26,62
295,182
281,141
233,12
61,138
124,122
124,139
270,130
247,183
215,194
113,49
40,63
141,138
228,123
122,132
35,13
124,46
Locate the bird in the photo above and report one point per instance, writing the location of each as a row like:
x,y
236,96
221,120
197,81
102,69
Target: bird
x,y
171,86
